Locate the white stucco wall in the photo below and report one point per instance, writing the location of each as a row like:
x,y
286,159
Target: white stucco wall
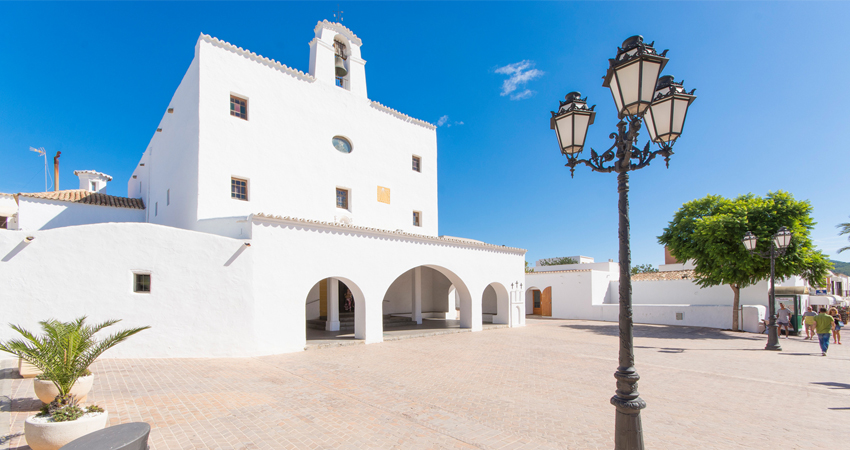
x,y
201,299
43,214
594,295
290,257
284,149
166,177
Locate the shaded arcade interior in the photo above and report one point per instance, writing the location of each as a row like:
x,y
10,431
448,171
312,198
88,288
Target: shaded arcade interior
x,y
420,299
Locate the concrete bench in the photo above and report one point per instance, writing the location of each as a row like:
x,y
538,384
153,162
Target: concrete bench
x,y
128,436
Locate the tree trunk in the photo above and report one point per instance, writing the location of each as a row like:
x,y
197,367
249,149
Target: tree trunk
x,y
735,305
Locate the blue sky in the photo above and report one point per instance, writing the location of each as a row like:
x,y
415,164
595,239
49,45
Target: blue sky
x,y
92,80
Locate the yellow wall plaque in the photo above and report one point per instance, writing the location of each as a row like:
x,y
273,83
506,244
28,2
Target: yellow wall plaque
x,y
384,195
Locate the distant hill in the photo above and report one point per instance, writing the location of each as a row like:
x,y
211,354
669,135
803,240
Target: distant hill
x,y
841,267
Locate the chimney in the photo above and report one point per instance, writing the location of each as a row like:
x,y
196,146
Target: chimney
x,y
56,171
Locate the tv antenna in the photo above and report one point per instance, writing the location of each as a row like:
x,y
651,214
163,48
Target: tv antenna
x,y
48,180
338,14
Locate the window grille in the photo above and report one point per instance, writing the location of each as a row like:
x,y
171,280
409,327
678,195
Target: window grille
x,y
142,282
342,198
417,219
239,189
239,107
417,161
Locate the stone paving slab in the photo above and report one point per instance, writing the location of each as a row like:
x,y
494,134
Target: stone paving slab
x,y
543,386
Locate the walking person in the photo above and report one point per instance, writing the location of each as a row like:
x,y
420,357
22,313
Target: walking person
x,y
824,324
783,319
809,322
836,331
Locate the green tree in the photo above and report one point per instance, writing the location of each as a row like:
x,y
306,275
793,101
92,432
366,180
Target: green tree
x,y
709,232
557,261
528,269
845,229
643,268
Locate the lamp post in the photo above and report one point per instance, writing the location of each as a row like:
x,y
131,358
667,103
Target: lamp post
x,y
780,242
639,95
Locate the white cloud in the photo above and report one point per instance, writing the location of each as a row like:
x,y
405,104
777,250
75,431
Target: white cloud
x,y
519,74
445,121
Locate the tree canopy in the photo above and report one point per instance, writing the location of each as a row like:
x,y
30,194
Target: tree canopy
x,y
557,261
709,232
845,229
643,268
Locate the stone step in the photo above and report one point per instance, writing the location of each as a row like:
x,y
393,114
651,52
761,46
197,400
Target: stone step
x,y
346,322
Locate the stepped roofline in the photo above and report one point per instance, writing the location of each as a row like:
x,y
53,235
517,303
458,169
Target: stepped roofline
x,y
339,28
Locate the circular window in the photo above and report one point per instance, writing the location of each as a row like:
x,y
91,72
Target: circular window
x,y
342,144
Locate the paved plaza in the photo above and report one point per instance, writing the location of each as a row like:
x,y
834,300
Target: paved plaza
x,y
543,386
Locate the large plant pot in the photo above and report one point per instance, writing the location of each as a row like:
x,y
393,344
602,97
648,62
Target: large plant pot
x,y
46,391
44,434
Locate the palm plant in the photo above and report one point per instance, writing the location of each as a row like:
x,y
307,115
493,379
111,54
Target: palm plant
x,y
66,349
845,229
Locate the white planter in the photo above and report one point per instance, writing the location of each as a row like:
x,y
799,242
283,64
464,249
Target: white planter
x,y
44,434
46,391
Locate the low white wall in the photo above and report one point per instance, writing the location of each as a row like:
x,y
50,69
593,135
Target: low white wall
x,y
42,214
594,295
201,299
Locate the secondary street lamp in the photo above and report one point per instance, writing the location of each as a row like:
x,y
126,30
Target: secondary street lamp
x,y
781,241
640,95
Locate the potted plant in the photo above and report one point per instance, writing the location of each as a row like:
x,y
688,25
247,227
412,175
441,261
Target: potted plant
x,y
63,354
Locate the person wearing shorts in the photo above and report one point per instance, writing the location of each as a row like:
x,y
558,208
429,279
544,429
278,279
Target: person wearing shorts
x,y
809,322
824,324
783,319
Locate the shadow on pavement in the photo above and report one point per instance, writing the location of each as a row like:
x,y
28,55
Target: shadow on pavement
x,y
832,385
665,332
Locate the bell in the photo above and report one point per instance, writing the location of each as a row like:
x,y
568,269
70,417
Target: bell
x,y
340,66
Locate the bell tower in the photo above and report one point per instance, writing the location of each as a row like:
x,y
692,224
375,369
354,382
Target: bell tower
x,y
335,58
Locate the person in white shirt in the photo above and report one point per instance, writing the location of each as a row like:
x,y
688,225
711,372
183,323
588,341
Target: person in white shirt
x,y
783,319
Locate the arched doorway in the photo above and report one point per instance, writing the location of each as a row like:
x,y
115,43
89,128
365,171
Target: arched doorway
x,y
332,310
539,302
427,296
495,304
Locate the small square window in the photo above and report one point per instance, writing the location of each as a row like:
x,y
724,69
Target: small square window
x,y
342,198
417,164
239,107
239,189
141,282
93,186
4,222
417,219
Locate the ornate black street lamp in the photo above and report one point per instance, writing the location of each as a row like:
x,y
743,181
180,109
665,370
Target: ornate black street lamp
x,y
781,241
639,94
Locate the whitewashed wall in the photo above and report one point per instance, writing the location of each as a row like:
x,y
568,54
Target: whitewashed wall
x,y
284,149
43,214
168,180
290,257
201,299
594,295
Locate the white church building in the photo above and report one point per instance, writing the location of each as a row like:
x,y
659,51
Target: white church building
x,y
267,200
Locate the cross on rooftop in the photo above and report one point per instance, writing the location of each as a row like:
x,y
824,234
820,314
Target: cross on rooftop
x,y
338,13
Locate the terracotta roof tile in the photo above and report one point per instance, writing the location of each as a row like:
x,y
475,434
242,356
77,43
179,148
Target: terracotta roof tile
x,y
89,198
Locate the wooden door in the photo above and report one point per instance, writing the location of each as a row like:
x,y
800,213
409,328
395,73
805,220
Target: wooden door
x,y
537,306
546,302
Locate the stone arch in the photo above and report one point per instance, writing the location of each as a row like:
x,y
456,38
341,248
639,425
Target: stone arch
x,y
331,321
496,303
453,282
